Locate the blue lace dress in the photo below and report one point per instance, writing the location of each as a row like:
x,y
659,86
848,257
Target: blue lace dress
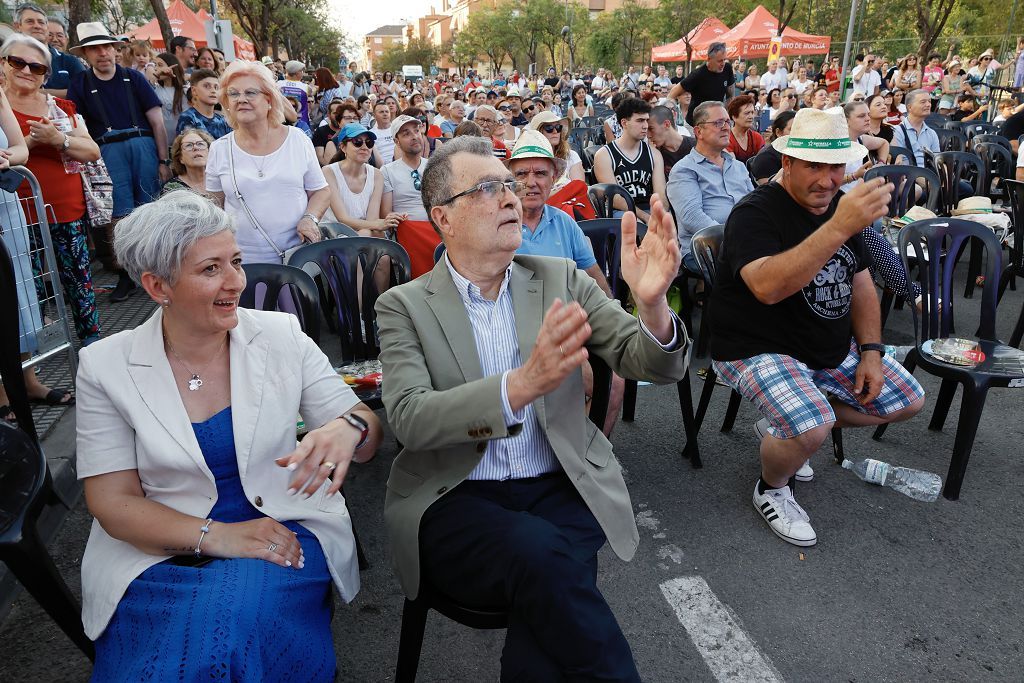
x,y
228,620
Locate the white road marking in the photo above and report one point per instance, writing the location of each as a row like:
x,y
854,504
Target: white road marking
x,y
729,652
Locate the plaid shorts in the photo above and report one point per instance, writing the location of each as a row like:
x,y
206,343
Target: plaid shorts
x,y
791,395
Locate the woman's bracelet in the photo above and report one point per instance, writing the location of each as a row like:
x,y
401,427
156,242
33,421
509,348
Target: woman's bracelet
x,y
205,529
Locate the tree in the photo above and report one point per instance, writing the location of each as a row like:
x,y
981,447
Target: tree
x,y
123,15
931,19
528,28
79,11
602,45
549,17
672,20
161,19
258,19
632,22
489,32
419,51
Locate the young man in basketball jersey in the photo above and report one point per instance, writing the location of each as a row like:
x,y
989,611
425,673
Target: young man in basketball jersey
x,y
631,161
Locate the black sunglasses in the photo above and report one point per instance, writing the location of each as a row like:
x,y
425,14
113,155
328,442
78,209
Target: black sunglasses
x,y
359,142
504,107
530,108
35,67
552,128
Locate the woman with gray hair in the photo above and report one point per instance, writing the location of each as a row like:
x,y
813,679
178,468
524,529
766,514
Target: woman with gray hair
x,y
265,174
216,537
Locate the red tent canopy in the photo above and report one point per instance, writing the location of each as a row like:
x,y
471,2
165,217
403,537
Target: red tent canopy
x,y
702,35
185,22
752,37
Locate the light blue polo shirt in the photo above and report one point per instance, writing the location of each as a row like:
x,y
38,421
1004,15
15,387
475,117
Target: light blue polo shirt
x,y
558,235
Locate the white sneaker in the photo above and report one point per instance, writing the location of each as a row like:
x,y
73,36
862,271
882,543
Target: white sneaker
x,y
785,516
805,473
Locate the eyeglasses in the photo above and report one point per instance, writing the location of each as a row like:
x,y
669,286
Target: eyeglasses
x,y
359,142
249,94
349,118
792,97
37,69
492,189
984,59
530,108
416,182
198,146
720,124
504,107
552,128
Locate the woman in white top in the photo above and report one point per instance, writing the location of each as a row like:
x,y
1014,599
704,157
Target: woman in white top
x,y
579,107
275,169
356,186
802,83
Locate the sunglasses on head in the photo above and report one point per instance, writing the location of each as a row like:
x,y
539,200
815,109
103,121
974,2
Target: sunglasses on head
x,y
552,128
37,69
359,142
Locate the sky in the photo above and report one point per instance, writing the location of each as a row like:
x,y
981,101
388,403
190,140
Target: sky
x,y
358,17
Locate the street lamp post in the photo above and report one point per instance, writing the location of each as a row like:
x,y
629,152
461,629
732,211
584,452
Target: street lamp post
x,y
846,50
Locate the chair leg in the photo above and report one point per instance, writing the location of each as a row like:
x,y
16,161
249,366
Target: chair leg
x,y
730,412
32,565
414,623
705,398
946,392
888,298
629,401
1018,330
691,450
973,269
971,406
837,445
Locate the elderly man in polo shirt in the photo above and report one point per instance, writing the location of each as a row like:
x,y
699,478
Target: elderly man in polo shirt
x,y
32,21
704,185
795,320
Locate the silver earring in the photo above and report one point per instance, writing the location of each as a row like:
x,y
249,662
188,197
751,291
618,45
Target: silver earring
x,y
167,303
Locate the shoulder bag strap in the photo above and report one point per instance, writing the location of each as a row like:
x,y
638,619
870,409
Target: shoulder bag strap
x,y
241,199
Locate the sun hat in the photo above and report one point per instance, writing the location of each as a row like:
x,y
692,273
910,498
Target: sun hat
x,y
397,124
353,130
821,136
513,92
92,33
544,117
533,145
267,60
971,205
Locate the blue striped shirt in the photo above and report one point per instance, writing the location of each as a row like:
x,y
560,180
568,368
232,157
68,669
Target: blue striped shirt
x,y
528,454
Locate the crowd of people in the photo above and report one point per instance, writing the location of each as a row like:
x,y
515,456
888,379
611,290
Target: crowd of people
x,y
207,510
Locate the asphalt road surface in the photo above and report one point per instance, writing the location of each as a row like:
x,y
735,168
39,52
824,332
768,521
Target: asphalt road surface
x,y
895,590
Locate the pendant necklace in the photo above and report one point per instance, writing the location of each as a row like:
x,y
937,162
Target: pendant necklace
x,y
195,382
259,167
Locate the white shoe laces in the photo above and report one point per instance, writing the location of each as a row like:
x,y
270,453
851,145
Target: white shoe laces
x,y
790,509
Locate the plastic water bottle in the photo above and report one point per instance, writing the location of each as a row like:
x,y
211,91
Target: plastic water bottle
x,y
897,353
919,485
62,122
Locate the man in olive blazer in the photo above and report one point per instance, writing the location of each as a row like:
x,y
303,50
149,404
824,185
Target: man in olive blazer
x,y
505,491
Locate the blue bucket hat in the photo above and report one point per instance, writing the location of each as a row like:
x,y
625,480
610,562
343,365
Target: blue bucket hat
x,y
354,130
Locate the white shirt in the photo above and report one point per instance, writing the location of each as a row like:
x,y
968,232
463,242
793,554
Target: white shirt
x,y
770,81
277,199
385,143
800,87
868,82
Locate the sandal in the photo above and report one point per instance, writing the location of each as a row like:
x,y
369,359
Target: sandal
x,y
56,397
7,415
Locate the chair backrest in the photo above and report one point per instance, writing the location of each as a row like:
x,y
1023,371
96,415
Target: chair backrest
x,y
22,476
972,129
593,121
991,137
935,243
333,230
951,140
605,235
10,345
601,196
895,152
579,139
935,120
997,162
952,167
1015,196
705,246
343,263
904,180
301,300
948,124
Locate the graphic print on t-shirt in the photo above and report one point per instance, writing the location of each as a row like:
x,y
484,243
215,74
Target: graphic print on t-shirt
x,y
636,175
830,292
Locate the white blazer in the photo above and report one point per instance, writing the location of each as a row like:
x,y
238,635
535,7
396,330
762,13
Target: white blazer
x,y
130,417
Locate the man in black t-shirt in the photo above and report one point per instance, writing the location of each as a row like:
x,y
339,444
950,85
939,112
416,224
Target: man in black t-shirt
x,y
713,81
1013,128
794,313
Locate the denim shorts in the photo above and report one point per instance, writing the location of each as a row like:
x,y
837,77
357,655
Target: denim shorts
x,y
791,395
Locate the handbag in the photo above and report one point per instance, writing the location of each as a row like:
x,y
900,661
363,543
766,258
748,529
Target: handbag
x,y
99,192
283,255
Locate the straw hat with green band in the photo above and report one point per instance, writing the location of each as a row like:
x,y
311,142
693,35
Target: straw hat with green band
x,y
533,145
822,137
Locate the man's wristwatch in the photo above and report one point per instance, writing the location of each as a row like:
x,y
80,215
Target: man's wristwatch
x,y
316,221
359,423
873,347
165,162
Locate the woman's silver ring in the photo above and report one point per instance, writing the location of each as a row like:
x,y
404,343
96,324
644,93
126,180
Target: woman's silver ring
x,y
272,547
32,134
560,350
329,465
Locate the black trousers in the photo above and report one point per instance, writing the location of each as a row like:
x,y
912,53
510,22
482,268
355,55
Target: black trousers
x,y
530,545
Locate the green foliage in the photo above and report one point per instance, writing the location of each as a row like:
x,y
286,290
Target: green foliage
x,y
419,51
122,15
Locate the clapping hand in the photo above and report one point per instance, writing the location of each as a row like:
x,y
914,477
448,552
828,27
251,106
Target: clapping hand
x,y
44,132
650,268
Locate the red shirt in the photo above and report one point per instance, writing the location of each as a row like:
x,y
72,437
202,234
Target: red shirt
x,y
500,149
832,75
754,144
63,191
